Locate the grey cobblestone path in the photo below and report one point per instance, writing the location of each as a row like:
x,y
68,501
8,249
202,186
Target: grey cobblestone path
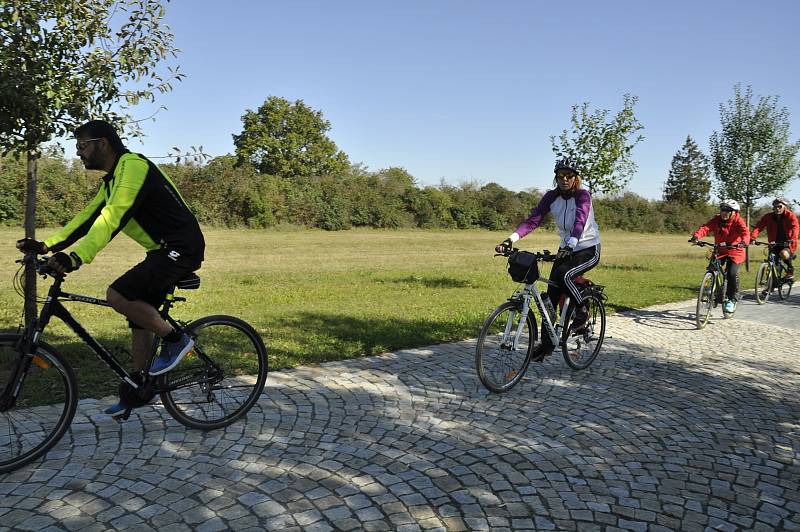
x,y
670,429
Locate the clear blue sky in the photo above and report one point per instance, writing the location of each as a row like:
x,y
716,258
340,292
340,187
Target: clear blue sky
x,y
472,90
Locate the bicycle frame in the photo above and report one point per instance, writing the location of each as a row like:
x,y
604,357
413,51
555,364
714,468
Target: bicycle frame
x,y
53,306
532,292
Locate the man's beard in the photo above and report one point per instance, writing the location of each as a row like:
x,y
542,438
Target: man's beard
x,y
91,163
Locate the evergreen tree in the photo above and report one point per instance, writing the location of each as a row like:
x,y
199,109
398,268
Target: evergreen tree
x,y
688,182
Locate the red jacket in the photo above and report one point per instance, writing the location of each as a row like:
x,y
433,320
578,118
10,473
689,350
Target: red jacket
x,y
731,232
790,227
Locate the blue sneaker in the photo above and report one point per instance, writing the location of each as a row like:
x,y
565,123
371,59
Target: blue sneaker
x,y
117,409
729,306
171,355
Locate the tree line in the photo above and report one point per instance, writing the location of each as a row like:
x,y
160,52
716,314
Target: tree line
x,y
227,193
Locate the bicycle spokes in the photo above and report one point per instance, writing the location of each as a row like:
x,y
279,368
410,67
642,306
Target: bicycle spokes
x,y
504,347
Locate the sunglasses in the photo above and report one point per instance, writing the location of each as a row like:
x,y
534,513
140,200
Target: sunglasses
x,y
726,210
566,175
83,143
778,205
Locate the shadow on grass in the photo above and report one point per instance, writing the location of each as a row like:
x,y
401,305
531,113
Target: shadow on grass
x,y
328,337
432,282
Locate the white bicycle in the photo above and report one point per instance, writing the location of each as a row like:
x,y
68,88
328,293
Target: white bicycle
x,y
506,341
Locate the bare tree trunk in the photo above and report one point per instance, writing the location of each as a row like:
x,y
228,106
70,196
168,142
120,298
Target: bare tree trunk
x,y
30,232
747,249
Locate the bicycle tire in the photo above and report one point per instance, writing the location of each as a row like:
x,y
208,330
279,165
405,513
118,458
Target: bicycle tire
x,y
580,347
784,287
763,283
705,299
197,393
489,350
35,421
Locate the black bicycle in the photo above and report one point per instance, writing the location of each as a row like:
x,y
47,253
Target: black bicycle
x,y
770,274
505,344
714,285
213,386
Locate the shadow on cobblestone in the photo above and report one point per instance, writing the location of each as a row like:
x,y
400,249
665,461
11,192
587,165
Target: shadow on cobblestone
x,y
680,432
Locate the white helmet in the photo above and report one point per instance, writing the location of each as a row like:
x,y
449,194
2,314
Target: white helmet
x,y
729,205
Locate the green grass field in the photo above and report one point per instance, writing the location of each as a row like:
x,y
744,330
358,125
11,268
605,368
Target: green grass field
x,y
317,296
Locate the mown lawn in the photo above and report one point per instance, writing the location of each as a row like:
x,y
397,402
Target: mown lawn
x,y
317,296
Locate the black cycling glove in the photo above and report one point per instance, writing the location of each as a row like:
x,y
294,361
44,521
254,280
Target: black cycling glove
x,y
69,263
29,245
504,246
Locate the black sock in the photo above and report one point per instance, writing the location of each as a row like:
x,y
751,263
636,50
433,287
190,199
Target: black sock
x,y
174,336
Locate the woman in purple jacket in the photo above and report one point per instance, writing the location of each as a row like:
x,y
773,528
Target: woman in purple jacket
x,y
579,249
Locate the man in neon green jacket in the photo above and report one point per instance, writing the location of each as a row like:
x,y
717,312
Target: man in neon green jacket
x,y
140,200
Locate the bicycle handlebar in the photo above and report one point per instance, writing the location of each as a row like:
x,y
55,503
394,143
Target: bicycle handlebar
x,y
544,255
776,244
702,244
42,265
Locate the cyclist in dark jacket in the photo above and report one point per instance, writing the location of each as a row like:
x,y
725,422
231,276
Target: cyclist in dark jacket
x,y
139,199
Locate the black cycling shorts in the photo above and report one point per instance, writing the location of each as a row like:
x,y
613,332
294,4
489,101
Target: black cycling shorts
x,y
151,279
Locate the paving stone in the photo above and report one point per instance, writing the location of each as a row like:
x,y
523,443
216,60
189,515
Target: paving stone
x,y
670,429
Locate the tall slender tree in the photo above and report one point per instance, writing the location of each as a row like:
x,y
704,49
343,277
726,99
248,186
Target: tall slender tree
x,y
63,62
752,155
689,180
603,145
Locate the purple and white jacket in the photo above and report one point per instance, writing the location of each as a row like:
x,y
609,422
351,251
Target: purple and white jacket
x,y
574,217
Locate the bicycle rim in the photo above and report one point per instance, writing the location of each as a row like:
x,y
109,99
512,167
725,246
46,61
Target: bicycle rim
x,y
221,379
784,289
44,408
581,345
500,366
705,299
763,283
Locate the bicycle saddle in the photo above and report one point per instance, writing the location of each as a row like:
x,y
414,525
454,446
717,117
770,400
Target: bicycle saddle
x,y
189,282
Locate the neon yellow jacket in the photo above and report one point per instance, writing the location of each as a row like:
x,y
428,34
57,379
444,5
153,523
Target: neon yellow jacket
x,y
140,200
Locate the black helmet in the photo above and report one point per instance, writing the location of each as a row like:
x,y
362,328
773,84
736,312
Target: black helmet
x,y
566,163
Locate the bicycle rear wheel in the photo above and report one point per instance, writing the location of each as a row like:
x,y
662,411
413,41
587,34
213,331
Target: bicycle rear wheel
x,y
221,379
581,343
784,287
500,366
44,407
763,283
705,299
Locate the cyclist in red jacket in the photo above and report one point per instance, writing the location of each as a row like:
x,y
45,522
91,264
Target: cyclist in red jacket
x,y
728,228
782,228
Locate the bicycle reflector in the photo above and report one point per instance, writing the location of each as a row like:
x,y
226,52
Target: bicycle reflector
x,y
39,361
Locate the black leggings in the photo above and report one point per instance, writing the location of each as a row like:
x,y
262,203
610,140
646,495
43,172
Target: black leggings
x,y
732,273
565,270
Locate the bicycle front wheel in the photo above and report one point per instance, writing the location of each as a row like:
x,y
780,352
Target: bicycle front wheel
x,y
581,340
763,283
705,299
221,379
500,363
44,407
